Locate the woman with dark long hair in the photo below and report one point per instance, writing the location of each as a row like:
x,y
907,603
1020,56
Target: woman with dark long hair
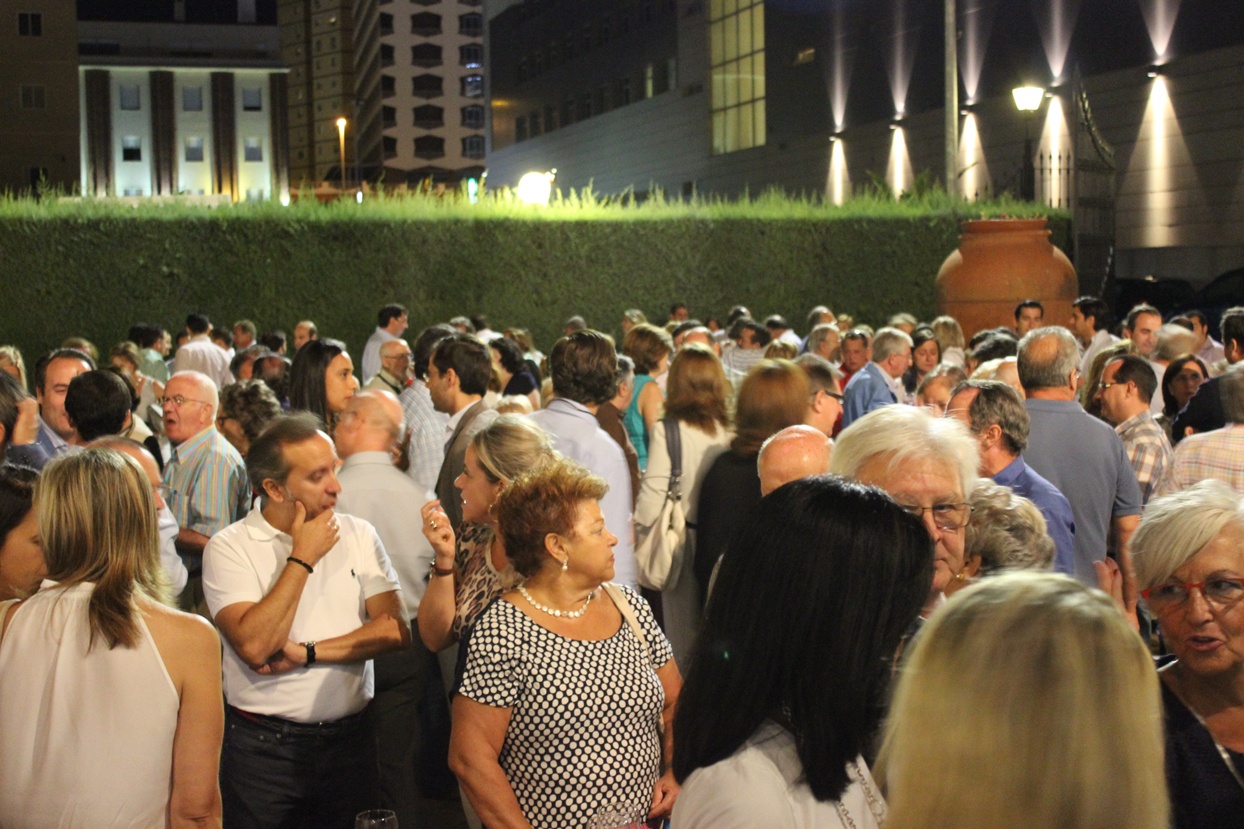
x,y
788,676
322,380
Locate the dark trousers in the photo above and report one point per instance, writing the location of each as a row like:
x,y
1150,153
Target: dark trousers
x,y
393,716
275,774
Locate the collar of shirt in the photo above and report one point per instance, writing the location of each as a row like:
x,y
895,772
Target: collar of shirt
x,y
1010,473
455,419
367,459
56,440
391,381
571,407
1132,422
258,528
188,448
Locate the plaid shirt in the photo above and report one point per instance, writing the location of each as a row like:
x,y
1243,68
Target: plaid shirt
x,y
1149,451
1218,454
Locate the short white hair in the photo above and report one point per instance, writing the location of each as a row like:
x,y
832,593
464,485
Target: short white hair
x,y
906,435
1177,527
205,384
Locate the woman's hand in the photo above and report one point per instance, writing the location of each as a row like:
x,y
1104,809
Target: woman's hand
x,y
1110,580
664,793
439,533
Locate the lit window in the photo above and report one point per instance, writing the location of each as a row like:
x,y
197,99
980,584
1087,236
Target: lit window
x,y
473,86
30,24
132,149
194,148
252,99
192,98
252,149
471,55
33,97
130,97
737,61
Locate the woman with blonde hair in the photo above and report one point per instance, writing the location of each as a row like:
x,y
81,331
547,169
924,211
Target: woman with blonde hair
x,y
1035,688
651,349
773,395
472,569
697,407
98,631
950,340
1189,557
11,361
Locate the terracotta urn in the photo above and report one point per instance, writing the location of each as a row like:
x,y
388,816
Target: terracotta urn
x,y
999,263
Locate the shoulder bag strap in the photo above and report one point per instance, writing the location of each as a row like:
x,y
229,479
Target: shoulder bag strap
x,y
624,607
673,444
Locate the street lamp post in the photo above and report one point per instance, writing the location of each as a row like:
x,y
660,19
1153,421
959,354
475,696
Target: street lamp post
x,y
1028,101
341,140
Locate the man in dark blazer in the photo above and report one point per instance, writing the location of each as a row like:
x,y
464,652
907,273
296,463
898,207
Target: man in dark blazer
x,y
457,380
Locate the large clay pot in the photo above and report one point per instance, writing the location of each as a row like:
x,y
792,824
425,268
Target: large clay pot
x,y
999,263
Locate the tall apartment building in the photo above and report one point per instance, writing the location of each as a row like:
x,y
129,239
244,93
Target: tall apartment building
x,y
38,95
432,89
407,75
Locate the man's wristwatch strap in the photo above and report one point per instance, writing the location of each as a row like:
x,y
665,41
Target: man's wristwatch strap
x,y
310,646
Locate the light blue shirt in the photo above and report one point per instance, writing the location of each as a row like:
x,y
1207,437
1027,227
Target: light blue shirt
x,y
866,391
210,489
578,436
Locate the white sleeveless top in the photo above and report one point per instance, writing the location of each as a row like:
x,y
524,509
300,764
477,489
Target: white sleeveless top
x,y
86,739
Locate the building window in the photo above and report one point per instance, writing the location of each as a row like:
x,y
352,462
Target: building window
x,y
473,117
425,54
471,55
429,117
386,24
388,86
194,148
388,117
520,129
252,149
568,111
387,54
389,144
129,96
132,148
737,59
429,146
584,110
473,146
533,124
471,25
252,99
649,81
425,24
427,86
30,24
33,97
473,86
192,98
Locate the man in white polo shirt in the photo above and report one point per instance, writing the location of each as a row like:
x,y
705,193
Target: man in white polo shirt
x,y
304,597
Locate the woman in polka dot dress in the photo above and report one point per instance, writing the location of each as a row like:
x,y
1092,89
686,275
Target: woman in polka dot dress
x,y
560,712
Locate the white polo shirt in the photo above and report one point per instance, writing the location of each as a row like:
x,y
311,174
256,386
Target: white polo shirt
x,y
242,563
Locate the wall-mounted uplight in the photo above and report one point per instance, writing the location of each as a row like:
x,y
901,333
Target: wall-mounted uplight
x,y
1028,98
536,188
1155,71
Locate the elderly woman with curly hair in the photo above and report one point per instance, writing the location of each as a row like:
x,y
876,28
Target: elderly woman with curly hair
x,y
567,679
245,408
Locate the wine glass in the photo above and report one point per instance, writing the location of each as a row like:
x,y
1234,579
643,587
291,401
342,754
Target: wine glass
x,y
616,816
375,819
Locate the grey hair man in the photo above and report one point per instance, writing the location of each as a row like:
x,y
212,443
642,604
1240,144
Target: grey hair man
x,y
879,383
928,465
824,341
825,404
372,488
1078,453
995,415
795,452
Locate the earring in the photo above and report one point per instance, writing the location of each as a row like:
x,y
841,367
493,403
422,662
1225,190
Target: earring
x,y
565,564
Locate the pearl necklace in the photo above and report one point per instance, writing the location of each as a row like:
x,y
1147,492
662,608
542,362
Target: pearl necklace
x,y
567,614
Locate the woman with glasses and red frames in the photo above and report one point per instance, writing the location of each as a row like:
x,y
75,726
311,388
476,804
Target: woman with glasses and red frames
x,y
1189,558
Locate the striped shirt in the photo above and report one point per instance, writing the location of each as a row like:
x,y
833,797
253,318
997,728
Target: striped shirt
x,y
210,489
1218,454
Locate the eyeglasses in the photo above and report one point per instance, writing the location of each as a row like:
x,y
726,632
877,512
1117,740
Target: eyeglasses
x,y
945,516
1103,385
832,394
1217,591
163,490
178,401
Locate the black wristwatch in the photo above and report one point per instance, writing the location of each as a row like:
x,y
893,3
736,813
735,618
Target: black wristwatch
x,y
310,646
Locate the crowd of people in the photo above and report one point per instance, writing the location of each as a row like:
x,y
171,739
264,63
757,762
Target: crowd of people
x,y
709,573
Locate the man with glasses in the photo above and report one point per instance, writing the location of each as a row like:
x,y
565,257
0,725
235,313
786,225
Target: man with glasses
x,y
205,474
928,465
1078,453
394,371
1126,388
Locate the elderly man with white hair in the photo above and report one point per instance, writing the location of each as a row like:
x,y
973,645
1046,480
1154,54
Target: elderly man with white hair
x,y
206,477
795,452
879,383
928,465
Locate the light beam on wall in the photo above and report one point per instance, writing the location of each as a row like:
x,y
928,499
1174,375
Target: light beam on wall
x,y
1053,156
1056,20
976,22
974,171
1160,19
898,171
839,184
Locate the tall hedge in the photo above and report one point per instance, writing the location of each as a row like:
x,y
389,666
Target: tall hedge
x,y
95,272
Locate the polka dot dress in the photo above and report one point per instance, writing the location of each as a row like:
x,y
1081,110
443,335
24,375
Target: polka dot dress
x,y
583,734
